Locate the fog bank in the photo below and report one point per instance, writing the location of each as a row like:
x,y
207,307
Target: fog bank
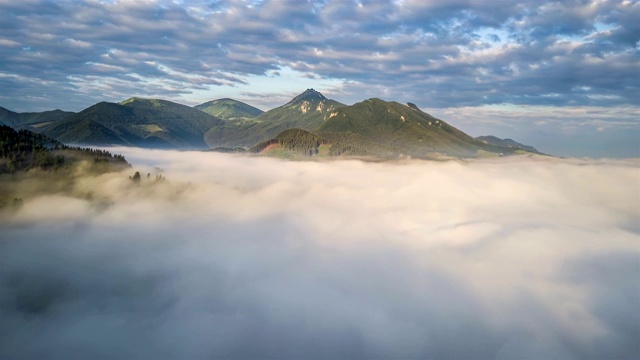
x,y
251,257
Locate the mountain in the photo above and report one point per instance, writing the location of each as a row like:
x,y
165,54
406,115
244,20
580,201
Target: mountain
x,y
381,129
229,109
297,142
508,143
136,122
31,120
306,111
404,127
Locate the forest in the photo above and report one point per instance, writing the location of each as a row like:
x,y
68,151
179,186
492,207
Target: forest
x,y
23,150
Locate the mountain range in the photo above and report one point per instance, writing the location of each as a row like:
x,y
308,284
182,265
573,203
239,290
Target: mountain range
x,y
31,119
135,122
308,125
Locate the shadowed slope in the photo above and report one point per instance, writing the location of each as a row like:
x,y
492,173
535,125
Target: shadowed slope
x,y
137,122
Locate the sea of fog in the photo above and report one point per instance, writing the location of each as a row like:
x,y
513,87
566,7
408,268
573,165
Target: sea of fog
x,y
252,257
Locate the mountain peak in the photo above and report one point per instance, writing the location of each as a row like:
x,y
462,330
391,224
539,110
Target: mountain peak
x,y
229,109
130,100
138,101
308,95
412,106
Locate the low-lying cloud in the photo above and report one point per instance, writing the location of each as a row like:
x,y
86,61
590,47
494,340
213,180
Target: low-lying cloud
x,y
251,257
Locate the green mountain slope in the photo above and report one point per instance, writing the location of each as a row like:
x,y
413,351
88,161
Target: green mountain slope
x,y
297,142
229,109
508,143
306,111
31,120
136,122
404,127
175,114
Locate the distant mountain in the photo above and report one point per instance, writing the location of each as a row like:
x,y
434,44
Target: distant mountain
x,y
404,127
306,111
508,143
229,109
381,129
31,119
309,124
136,122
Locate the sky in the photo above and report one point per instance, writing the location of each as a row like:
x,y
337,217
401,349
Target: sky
x,y
563,76
254,257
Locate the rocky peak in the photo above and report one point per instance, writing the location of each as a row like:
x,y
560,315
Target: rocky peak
x,y
412,106
309,95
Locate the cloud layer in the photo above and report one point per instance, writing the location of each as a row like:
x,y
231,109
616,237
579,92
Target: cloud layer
x,y
435,53
253,257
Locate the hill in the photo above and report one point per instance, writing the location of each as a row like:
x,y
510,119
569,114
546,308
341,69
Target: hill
x,y
31,120
32,164
404,127
229,109
306,111
136,122
508,143
22,150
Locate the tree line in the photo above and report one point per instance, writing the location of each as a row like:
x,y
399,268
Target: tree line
x,y
23,150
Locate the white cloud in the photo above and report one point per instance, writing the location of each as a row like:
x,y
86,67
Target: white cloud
x,y
249,256
9,43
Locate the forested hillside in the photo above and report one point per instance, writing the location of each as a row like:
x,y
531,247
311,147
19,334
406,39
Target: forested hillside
x,y
24,150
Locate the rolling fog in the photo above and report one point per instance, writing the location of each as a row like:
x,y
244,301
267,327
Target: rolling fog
x,y
245,257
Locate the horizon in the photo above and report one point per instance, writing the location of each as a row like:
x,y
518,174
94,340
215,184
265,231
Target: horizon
x,y
435,113
562,76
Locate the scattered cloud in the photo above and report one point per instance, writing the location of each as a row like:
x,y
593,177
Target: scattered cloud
x,y
247,256
450,53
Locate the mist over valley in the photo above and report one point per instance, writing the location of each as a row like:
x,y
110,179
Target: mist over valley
x,y
249,256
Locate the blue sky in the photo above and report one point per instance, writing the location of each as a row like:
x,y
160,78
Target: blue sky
x,y
563,76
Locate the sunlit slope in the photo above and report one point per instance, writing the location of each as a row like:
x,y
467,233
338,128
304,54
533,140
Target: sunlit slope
x,y
403,127
304,143
306,111
136,122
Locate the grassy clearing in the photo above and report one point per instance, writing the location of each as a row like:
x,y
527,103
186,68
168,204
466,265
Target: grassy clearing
x,y
149,127
39,125
486,154
276,150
